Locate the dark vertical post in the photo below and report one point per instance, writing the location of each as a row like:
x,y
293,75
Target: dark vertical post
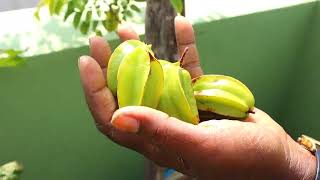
x,y
159,29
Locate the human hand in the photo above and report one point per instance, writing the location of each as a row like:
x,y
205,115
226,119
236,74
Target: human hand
x,y
257,148
93,69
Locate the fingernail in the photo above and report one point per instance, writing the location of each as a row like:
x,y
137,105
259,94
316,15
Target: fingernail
x,y
81,59
82,62
179,17
123,27
90,45
125,123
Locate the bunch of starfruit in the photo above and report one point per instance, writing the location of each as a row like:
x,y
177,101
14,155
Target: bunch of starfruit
x,y
137,78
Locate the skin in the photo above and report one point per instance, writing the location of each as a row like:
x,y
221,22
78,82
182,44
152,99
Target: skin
x,y
257,148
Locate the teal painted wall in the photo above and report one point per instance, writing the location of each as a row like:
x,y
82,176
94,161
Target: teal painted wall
x,y
301,110
46,125
259,49
273,53
44,121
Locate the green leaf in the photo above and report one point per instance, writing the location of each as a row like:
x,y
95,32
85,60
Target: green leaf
x,y
58,6
88,16
36,14
51,5
111,21
99,13
11,171
128,13
135,8
95,25
54,6
124,4
177,5
84,27
115,8
10,52
140,0
11,62
80,4
76,20
39,6
98,33
70,10
11,58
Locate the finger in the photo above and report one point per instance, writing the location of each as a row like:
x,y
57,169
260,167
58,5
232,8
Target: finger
x,y
139,144
260,117
185,38
176,136
98,96
102,104
176,142
163,158
100,51
126,32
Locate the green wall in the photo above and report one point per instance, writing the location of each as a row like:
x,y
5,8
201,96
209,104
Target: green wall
x,y
275,54
46,125
44,121
301,110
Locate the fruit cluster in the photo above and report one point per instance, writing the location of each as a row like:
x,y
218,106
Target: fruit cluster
x,y
137,78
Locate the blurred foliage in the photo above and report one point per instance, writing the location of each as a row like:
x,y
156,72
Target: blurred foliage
x,y
92,15
96,15
177,5
11,57
11,171
86,16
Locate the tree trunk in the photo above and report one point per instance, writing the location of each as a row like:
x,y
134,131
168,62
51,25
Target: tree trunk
x,y
159,29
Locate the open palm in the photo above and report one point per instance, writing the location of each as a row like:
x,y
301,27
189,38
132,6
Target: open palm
x,y
257,148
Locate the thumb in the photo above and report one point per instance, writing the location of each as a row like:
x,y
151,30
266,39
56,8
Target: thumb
x,y
171,134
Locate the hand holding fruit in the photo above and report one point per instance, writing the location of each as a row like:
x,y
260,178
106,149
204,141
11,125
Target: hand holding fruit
x,y
256,148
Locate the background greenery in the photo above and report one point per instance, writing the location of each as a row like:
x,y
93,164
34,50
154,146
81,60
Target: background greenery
x,y
46,125
96,15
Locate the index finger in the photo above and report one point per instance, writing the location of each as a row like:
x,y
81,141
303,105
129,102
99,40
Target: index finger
x,y
126,32
185,38
100,49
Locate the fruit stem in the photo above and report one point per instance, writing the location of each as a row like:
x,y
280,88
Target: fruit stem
x,y
251,111
152,58
183,56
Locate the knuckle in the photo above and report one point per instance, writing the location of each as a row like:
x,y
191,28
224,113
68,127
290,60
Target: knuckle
x,y
153,153
111,133
182,164
100,127
154,149
106,129
160,136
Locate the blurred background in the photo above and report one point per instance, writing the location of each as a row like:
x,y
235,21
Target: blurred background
x,y
272,46
7,5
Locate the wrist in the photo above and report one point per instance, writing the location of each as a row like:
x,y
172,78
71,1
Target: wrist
x,y
302,163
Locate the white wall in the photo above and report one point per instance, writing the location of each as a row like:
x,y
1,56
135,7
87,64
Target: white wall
x,y
230,8
6,5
